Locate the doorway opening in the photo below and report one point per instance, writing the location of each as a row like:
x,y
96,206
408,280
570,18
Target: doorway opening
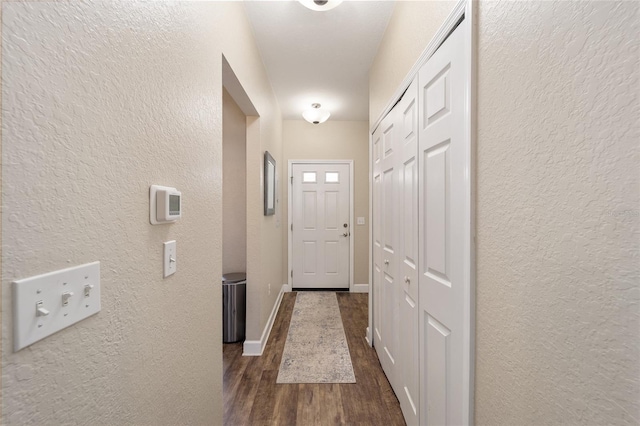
x,y
240,264
234,190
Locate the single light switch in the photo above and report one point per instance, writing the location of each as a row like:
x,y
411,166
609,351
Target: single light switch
x,y
65,297
170,259
87,290
360,220
47,303
40,310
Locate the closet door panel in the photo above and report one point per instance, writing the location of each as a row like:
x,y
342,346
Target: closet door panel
x,y
407,119
377,239
444,177
389,209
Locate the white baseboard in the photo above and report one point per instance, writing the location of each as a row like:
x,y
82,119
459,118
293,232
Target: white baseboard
x,y
360,288
256,347
252,348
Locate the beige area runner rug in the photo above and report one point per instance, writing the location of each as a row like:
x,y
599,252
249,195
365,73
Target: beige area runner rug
x,y
316,349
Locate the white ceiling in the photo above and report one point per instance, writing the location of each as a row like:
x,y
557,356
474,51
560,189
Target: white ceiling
x,y
320,57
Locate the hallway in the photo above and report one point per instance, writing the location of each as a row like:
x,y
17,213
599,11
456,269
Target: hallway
x,y
101,101
252,397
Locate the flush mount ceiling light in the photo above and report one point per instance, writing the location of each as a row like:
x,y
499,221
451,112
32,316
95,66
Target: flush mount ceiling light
x,y
316,115
320,5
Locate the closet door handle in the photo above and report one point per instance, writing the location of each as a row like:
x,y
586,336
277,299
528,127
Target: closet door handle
x,y
386,261
407,280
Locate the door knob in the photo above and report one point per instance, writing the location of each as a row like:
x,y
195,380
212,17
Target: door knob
x,y
386,261
407,280
345,234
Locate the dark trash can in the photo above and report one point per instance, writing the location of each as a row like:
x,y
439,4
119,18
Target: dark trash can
x,y
234,307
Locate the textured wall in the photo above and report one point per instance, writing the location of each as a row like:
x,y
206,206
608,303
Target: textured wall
x,y
264,236
234,187
2,347
100,101
333,140
557,208
264,133
411,27
558,213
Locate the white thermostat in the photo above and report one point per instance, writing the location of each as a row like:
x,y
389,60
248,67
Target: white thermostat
x,y
165,204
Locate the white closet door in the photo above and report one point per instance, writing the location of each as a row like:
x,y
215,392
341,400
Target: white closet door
x,y
377,237
444,194
409,383
385,192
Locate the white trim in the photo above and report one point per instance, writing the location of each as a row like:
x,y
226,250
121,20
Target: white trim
x,y
440,36
290,214
256,347
289,222
360,288
352,224
471,16
252,348
369,336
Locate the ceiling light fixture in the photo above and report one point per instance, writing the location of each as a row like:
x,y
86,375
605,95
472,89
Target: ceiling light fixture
x,y
320,5
316,115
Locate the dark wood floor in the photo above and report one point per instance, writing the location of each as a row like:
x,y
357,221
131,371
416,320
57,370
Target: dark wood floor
x,y
252,397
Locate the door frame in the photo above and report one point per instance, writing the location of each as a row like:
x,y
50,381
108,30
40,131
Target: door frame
x,y
290,214
467,9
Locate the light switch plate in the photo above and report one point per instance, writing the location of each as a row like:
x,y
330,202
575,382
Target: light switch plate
x,y
360,220
48,292
170,259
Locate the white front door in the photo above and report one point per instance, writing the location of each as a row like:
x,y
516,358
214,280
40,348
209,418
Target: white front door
x,y
444,241
321,230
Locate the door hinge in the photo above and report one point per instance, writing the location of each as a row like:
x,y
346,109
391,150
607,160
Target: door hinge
x,y
291,180
292,273
292,226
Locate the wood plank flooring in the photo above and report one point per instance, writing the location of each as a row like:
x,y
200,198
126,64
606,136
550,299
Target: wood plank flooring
x,y
252,397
